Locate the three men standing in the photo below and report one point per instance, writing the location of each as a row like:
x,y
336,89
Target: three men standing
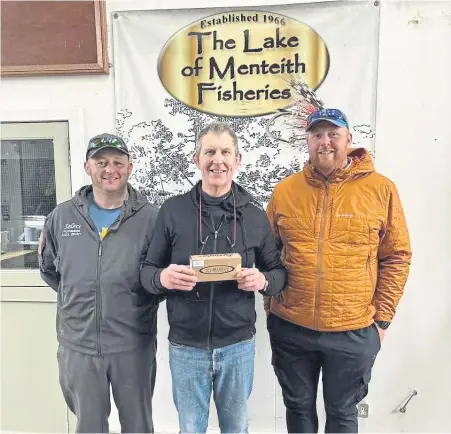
x,y
337,228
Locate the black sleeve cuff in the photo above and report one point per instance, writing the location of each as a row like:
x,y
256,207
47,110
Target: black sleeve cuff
x,y
157,282
383,324
268,287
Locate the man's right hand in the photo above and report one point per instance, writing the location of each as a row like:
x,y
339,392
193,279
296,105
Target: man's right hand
x,y
180,277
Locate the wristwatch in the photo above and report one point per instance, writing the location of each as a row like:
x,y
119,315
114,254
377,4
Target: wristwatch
x,y
383,324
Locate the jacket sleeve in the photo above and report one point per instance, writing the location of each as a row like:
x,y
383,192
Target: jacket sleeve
x,y
158,255
271,214
47,254
394,255
268,261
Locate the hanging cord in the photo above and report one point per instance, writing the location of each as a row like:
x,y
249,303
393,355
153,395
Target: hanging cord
x,y
232,245
202,241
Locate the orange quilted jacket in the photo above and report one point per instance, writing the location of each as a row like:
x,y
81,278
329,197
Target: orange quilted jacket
x,y
344,243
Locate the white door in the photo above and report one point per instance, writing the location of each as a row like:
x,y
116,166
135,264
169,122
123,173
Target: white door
x,y
35,177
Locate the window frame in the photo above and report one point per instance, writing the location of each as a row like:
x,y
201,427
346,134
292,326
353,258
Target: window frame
x,y
24,278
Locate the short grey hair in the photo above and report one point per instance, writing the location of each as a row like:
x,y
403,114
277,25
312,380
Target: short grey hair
x,y
216,128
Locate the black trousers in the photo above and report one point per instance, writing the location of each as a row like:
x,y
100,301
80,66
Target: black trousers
x,y
346,360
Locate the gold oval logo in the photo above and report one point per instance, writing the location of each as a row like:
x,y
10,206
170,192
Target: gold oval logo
x,y
216,269
242,63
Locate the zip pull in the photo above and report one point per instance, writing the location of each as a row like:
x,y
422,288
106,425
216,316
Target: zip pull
x,y
197,294
100,249
216,235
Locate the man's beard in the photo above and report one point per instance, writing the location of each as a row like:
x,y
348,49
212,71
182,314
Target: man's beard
x,y
329,166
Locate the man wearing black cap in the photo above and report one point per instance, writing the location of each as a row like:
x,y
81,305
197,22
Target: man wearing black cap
x,y
90,253
345,244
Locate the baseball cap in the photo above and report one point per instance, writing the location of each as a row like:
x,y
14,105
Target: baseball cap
x,y
103,141
334,116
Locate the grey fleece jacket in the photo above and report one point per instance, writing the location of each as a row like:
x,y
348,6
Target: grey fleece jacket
x,y
101,306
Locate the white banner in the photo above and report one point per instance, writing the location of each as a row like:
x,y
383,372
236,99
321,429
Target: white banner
x,y
261,69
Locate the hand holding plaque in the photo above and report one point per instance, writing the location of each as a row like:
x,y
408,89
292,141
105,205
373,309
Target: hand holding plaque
x,y
250,279
180,277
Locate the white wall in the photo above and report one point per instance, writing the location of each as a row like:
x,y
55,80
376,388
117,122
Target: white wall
x,y
413,148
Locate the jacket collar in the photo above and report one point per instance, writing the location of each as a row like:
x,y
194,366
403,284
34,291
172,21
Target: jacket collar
x,y
241,195
361,166
134,202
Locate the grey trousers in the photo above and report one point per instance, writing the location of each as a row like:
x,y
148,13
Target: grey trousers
x,y
85,381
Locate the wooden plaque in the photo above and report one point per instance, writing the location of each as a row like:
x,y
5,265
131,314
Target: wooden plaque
x,y
53,37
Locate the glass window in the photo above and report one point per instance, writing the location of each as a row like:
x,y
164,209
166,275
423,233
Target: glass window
x,y
28,194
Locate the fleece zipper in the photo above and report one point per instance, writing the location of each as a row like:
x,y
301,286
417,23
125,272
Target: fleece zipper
x,y
319,258
99,275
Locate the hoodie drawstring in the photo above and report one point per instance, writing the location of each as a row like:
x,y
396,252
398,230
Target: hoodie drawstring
x,y
232,245
243,229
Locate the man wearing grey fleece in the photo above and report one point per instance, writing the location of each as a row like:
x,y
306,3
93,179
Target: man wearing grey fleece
x,y
90,253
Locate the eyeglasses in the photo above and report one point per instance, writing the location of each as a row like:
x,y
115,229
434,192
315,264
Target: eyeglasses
x,y
329,113
100,142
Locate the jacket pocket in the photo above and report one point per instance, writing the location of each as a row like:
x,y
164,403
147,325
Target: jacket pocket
x,y
235,310
280,297
350,231
369,271
56,263
187,313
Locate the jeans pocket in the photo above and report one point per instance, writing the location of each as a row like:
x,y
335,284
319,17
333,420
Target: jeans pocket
x,y
374,346
270,319
377,337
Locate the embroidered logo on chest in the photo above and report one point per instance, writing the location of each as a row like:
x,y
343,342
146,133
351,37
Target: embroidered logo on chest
x,y
71,230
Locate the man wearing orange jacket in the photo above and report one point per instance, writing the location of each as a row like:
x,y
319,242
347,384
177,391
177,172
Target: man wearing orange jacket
x,y
345,243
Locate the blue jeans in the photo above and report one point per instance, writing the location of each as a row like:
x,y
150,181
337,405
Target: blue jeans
x,y
228,371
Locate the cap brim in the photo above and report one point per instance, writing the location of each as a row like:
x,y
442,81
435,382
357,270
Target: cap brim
x,y
336,122
92,152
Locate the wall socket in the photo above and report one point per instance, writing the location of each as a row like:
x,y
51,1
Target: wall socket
x,y
363,409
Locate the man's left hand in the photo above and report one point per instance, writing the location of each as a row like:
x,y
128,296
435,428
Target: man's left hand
x,y
250,279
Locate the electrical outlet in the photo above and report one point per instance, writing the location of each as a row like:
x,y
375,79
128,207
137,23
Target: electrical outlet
x,y
363,409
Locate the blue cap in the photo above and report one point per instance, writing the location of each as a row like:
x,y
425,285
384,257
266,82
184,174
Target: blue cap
x,y
334,116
